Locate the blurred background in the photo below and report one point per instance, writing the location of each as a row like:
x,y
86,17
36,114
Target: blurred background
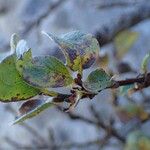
x,y
113,120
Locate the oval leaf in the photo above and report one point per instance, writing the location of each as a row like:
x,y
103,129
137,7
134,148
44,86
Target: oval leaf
x,y
45,72
42,71
31,109
80,49
137,140
12,86
97,81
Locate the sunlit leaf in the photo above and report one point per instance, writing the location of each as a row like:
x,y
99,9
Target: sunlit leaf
x,y
80,49
145,61
137,140
32,108
12,86
97,81
124,41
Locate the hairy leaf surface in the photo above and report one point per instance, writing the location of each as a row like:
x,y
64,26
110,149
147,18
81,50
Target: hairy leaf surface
x,y
80,49
97,80
45,72
41,71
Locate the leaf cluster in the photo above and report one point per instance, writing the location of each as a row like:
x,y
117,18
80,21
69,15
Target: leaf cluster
x,y
23,77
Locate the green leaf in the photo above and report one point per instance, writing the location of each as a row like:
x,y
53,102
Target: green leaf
x,y
80,49
32,108
45,72
124,41
130,111
97,81
24,55
145,61
12,86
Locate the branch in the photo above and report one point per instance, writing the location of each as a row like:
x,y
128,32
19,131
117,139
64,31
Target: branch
x,y
111,131
77,145
106,33
108,4
42,17
28,128
144,80
16,145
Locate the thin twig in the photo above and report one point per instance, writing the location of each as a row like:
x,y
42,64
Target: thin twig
x,y
111,4
145,79
30,129
95,123
109,129
107,32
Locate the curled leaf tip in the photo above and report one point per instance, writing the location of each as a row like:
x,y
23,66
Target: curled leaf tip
x,y
145,61
47,34
21,48
80,49
14,41
31,109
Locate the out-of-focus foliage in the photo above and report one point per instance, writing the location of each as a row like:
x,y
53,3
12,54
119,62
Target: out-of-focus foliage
x,y
131,111
124,41
137,141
